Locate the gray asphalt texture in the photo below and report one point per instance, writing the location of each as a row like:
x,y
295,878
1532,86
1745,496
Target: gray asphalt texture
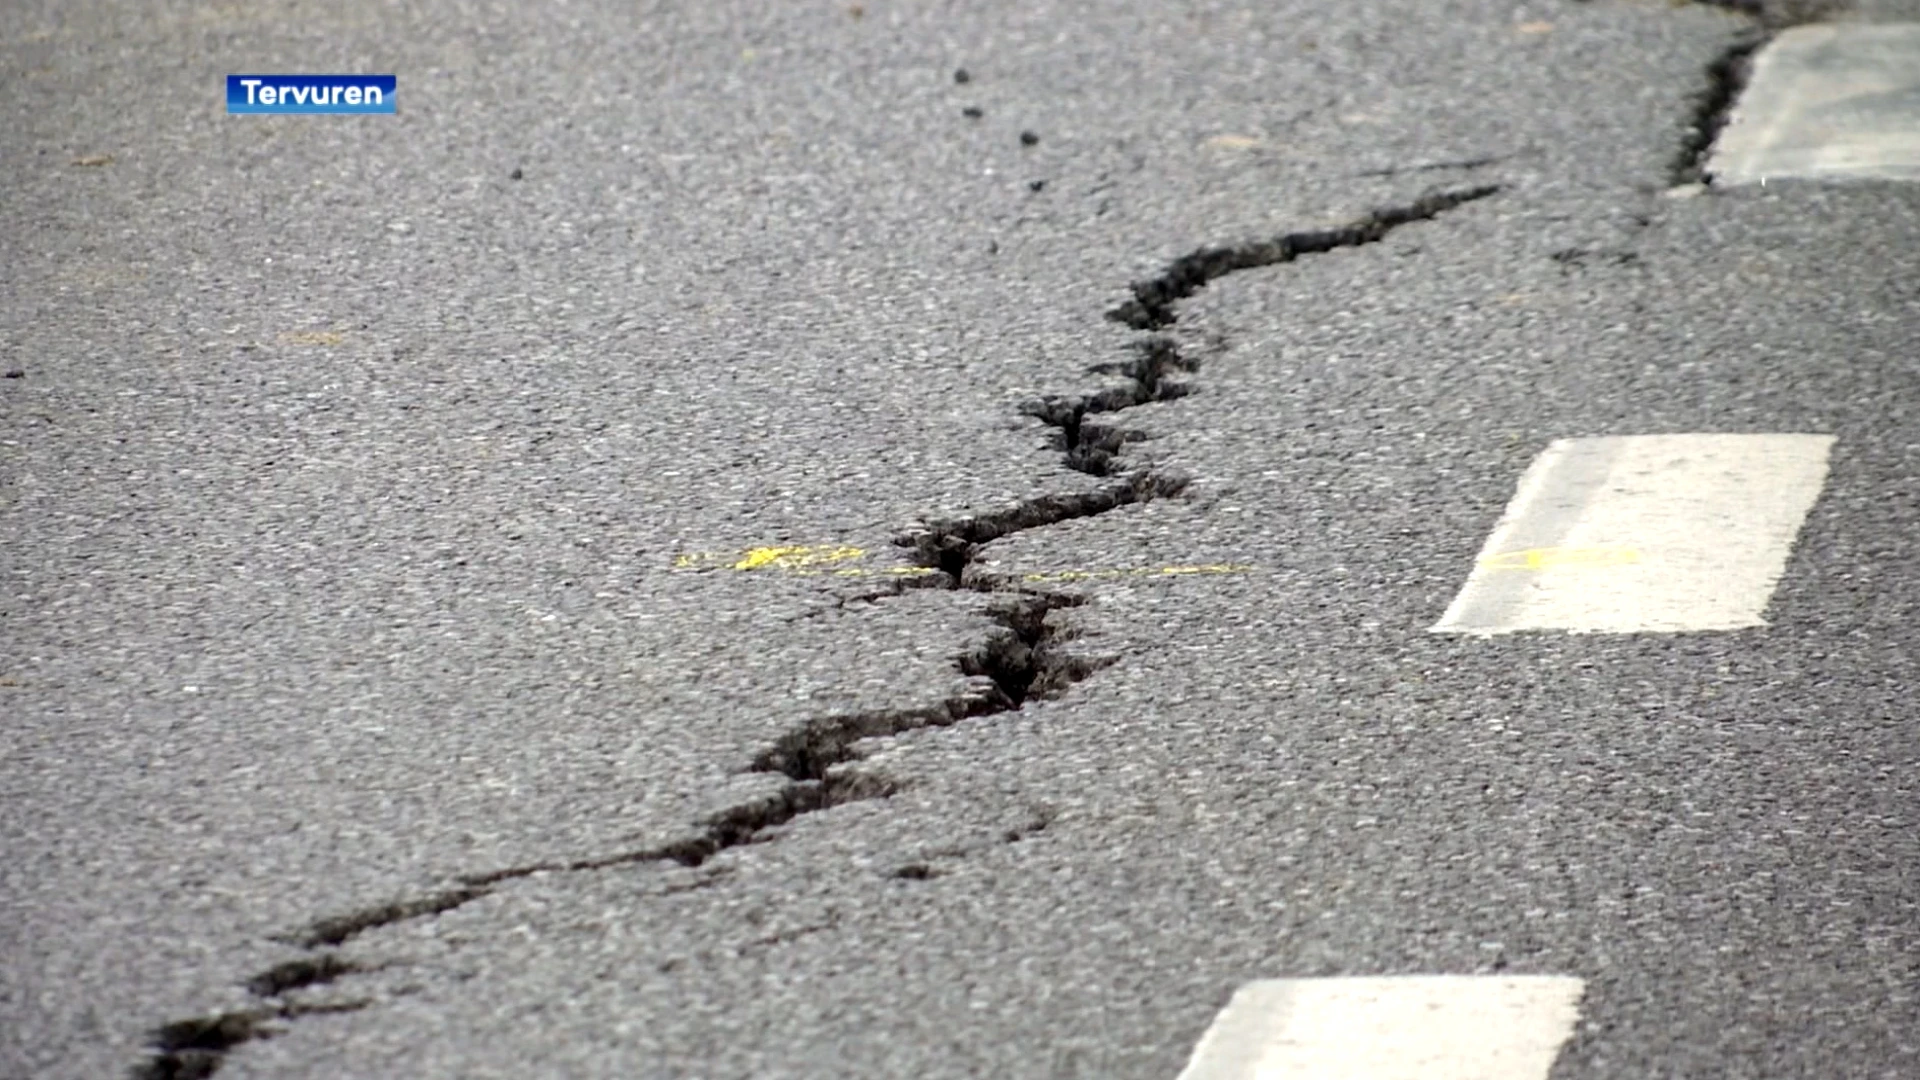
x,y
349,459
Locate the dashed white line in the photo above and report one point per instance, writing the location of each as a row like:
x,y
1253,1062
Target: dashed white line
x,y
1659,533
1417,1027
1827,101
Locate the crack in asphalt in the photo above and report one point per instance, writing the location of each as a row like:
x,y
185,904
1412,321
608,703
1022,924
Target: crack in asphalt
x,y
1092,448
335,930
1017,662
1152,305
1727,75
1728,72
1463,164
301,973
195,1049
1022,659
951,546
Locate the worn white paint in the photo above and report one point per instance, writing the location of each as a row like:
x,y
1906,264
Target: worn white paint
x,y
1659,533
1827,101
1419,1027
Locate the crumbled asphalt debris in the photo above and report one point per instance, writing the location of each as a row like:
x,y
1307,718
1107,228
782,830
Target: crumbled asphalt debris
x,y
1036,185
961,76
1028,138
514,175
16,373
972,112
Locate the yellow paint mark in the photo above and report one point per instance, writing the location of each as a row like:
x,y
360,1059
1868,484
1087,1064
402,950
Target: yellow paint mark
x,y
759,557
788,557
94,160
1232,142
1541,27
1554,558
793,556
312,337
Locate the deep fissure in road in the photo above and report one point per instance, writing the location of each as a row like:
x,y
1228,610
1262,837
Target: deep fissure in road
x,y
194,1049
1152,305
1022,660
1713,107
1727,75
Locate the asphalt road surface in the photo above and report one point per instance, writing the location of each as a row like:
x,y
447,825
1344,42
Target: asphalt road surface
x,y
817,540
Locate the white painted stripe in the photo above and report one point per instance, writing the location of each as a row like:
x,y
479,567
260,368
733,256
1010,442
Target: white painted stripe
x,y
1415,1027
1662,533
1824,101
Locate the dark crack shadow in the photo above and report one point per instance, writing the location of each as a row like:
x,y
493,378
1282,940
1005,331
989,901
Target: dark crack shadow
x,y
195,1048
1152,305
1713,104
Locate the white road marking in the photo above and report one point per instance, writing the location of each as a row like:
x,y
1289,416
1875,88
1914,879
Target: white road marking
x,y
1416,1027
1661,533
1827,101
